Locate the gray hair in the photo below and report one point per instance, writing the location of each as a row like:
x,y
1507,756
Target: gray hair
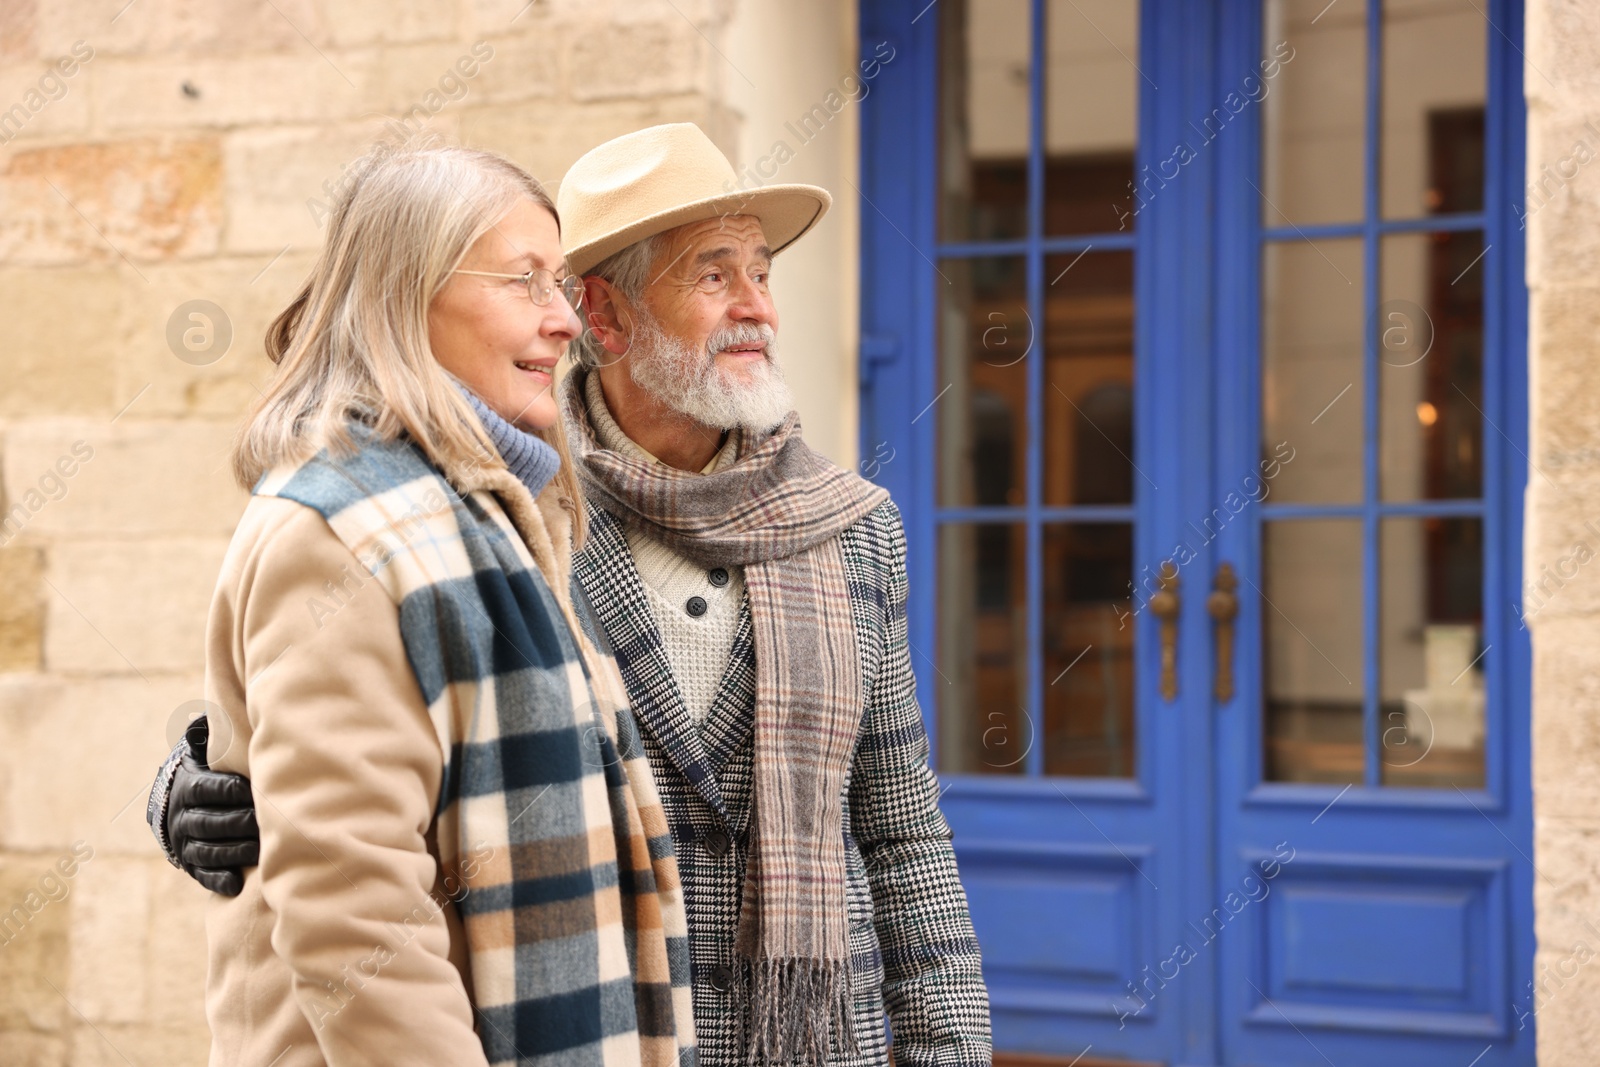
x,y
629,272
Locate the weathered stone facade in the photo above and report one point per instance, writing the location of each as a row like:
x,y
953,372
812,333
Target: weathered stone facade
x,y
188,156
1562,78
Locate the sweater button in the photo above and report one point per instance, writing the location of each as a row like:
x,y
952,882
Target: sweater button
x,y
717,842
696,607
722,978
719,577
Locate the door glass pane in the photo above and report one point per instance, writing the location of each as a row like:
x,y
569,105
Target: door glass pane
x,y
1088,650
1311,367
1311,625
1435,70
982,399
1313,122
1088,392
1430,655
982,665
1092,117
1430,353
984,54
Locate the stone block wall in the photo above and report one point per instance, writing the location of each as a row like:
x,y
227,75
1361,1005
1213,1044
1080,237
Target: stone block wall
x,y
152,154
1561,594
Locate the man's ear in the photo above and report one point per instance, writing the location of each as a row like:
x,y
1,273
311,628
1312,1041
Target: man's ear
x,y
607,317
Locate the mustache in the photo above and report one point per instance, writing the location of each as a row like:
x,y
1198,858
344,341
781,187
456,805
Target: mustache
x,y
740,333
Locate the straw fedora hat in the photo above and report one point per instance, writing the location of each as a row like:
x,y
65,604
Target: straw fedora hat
x,y
655,179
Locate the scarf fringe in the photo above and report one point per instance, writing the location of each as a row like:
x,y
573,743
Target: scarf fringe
x,y
796,1009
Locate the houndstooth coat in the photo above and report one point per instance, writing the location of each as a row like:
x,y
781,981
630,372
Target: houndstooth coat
x,y
914,957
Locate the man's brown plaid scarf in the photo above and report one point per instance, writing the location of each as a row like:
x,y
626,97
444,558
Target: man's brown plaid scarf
x,y
778,511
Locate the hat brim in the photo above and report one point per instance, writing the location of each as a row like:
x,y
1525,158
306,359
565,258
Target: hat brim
x,y
786,213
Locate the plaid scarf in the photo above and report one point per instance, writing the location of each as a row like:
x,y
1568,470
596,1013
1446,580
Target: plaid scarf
x,y
778,510
548,814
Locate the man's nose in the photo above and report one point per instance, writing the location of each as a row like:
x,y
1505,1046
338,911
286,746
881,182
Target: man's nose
x,y
751,303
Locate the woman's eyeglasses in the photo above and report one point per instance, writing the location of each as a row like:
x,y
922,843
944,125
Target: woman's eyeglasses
x,y
542,285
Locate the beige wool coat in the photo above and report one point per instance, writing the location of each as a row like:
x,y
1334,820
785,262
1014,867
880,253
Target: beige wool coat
x,y
342,952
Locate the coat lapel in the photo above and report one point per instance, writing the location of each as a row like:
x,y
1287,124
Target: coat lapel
x,y
731,716
605,570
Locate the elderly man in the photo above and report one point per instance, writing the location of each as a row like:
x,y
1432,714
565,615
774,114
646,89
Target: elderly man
x,y
754,595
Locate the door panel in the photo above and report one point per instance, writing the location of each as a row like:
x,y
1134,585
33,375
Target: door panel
x,y
1084,966
1378,740
1376,943
1019,448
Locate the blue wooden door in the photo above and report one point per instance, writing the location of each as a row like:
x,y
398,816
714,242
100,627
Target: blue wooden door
x,y
1193,350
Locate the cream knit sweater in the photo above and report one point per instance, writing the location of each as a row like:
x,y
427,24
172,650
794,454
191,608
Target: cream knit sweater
x,y
697,648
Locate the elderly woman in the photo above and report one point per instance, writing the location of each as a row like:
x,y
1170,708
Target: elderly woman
x,y
463,858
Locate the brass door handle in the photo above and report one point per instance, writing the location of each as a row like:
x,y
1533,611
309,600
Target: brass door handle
x,y
1223,604
1164,605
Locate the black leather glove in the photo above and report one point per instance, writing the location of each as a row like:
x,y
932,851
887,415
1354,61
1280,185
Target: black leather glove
x,y
211,819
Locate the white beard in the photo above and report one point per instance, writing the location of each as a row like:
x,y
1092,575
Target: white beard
x,y
690,382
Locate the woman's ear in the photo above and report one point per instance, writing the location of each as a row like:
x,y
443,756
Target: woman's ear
x,y
607,319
